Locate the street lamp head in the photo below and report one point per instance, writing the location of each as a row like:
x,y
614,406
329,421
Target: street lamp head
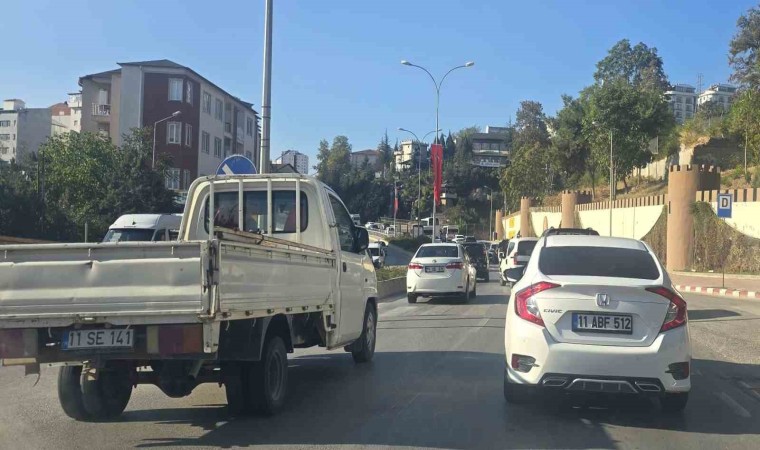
x,y
405,62
176,113
469,64
402,129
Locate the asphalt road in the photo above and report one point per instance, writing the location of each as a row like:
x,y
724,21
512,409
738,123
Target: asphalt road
x,y
435,382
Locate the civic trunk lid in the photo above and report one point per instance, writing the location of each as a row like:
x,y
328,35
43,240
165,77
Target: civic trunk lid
x,y
570,310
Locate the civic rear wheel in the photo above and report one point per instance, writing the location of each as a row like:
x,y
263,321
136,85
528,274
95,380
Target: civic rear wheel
x,y
515,393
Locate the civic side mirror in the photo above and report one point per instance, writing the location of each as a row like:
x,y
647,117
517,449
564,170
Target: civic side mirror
x,y
515,274
361,239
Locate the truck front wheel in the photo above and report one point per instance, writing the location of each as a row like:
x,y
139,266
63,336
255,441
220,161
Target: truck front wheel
x,y
364,348
268,378
107,396
70,392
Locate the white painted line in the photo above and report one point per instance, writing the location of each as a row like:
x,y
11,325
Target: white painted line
x,y
735,293
709,290
723,291
698,289
734,405
751,294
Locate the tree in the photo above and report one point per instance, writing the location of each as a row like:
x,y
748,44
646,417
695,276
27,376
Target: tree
x,y
743,50
530,125
385,152
744,121
572,149
639,66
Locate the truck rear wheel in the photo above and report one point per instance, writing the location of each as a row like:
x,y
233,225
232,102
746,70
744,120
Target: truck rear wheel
x,y
70,392
364,348
107,396
268,378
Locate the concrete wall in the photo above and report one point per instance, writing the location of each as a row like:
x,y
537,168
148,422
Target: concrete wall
x,y
745,217
543,218
129,110
394,286
632,222
33,130
511,225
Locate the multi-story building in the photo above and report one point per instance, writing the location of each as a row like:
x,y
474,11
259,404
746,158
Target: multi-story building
x,y
404,157
490,149
66,116
370,156
197,123
722,94
682,101
22,129
298,160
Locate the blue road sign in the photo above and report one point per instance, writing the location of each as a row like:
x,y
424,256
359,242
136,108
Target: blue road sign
x,y
236,165
725,204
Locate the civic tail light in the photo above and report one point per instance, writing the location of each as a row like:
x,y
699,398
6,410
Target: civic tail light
x,y
455,265
525,302
676,315
415,266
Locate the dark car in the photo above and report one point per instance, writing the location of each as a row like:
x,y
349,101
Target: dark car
x,y
479,258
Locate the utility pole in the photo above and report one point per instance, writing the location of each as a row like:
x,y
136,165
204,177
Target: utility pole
x,y
266,95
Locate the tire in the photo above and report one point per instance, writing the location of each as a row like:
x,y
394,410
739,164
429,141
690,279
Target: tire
x,y
235,377
674,403
364,348
268,378
516,393
107,396
70,392
411,298
465,297
475,290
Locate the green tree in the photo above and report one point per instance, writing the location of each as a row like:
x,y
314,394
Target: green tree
x,y
639,66
571,146
743,50
743,121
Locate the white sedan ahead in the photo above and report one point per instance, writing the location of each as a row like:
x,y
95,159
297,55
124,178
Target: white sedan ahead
x,y
441,270
596,314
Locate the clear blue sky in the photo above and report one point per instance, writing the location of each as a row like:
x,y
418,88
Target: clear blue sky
x,y
336,62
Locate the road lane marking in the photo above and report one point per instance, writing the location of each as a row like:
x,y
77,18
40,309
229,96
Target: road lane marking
x,y
734,405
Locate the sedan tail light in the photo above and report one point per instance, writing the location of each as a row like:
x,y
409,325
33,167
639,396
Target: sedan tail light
x,y
455,265
676,315
525,302
415,266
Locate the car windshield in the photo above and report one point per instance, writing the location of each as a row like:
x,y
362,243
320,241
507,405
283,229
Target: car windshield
x,y
129,235
598,262
525,248
437,251
475,251
374,251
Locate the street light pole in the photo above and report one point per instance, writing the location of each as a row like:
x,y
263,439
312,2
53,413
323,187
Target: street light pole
x,y
437,85
174,114
419,162
612,181
490,215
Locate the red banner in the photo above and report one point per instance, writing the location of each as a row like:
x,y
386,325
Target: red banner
x,y
436,163
395,200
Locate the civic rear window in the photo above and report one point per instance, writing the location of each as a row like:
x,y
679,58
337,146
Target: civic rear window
x,y
598,262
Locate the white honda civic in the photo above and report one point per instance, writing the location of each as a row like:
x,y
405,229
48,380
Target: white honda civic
x,y
596,314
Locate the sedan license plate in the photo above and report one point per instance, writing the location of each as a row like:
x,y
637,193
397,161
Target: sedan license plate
x,y
433,269
603,323
103,338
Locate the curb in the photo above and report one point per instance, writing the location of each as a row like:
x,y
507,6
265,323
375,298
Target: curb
x,y
722,292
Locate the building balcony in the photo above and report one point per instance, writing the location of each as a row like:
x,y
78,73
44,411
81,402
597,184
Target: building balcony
x,y
99,110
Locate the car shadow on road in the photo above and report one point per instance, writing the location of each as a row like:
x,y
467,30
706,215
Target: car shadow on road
x,y
433,399
707,314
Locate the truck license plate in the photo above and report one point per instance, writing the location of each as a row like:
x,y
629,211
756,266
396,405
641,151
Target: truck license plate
x,y
603,323
103,338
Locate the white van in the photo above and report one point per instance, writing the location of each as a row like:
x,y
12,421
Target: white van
x,y
144,227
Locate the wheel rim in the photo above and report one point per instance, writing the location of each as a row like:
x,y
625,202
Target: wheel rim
x,y
370,331
274,375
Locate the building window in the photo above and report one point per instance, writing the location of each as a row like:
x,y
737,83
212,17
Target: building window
x,y
5,137
476,145
174,133
219,110
175,89
249,126
249,155
217,147
186,179
206,102
172,179
205,142
189,93
188,134
5,123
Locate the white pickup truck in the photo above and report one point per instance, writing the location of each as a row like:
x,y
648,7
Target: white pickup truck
x,y
223,304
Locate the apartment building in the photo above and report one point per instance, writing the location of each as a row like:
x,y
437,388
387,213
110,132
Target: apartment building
x,y
197,123
682,101
296,159
404,157
490,149
722,94
66,116
22,129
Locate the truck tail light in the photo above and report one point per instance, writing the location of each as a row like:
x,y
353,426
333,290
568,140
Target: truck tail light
x,y
525,302
676,315
18,343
